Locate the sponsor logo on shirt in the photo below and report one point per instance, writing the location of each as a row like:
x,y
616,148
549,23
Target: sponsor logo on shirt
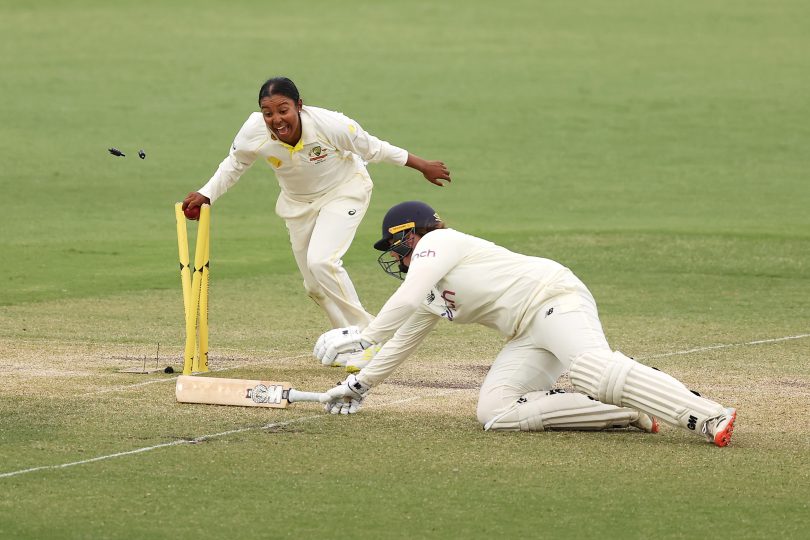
x,y
317,154
449,304
422,254
274,161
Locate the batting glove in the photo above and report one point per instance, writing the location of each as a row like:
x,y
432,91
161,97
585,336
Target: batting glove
x,y
338,350
327,338
347,397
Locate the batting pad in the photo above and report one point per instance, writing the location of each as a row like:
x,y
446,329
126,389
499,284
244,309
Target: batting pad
x,y
540,411
615,378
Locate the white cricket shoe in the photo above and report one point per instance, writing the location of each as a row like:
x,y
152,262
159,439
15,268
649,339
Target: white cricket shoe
x,y
645,422
719,429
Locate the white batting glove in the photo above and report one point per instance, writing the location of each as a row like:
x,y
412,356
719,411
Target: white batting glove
x,y
327,338
338,350
347,397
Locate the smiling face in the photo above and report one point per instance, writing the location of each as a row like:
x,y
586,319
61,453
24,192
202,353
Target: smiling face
x,y
281,115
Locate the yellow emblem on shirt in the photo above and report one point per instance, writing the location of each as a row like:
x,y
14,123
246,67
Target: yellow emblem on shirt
x,y
274,161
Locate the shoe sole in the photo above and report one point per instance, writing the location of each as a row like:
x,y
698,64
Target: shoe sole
x,y
653,428
723,437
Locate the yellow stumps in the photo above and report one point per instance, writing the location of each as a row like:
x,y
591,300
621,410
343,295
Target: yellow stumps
x,y
201,360
195,289
182,246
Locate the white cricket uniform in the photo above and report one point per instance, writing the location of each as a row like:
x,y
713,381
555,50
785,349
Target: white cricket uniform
x,y
325,191
551,324
546,313
465,279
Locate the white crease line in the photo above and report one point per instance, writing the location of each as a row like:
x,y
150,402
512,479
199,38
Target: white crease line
x,y
724,346
126,387
201,438
416,398
279,424
94,344
156,381
196,440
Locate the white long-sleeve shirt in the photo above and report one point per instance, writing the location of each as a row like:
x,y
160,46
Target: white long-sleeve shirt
x,y
463,279
332,150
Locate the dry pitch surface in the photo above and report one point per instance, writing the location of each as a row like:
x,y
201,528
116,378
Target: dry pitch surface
x,y
65,375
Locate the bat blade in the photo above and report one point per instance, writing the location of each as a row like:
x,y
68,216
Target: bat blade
x,y
240,392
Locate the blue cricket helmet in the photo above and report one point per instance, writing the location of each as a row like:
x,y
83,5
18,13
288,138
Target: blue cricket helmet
x,y
403,217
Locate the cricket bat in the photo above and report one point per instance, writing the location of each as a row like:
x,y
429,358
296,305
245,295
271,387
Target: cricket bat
x,y
241,392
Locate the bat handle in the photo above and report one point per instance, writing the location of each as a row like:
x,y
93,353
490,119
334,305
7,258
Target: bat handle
x,y
297,395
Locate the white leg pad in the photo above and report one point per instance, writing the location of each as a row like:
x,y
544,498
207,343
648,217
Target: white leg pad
x,y
615,378
540,411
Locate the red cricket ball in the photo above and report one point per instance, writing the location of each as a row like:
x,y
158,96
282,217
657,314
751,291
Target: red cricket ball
x,y
192,212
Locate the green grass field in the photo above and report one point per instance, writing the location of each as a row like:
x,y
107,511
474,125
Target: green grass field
x,y
659,150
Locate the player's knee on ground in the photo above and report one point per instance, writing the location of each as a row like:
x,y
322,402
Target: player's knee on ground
x,y
554,410
612,377
493,403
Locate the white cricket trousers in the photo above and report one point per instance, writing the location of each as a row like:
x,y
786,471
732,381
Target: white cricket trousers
x,y
561,330
321,232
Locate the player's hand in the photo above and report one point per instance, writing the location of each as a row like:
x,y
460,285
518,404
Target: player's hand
x,y
192,204
347,397
327,338
434,171
339,349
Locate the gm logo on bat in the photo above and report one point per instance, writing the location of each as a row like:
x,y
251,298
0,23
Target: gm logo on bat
x,y
266,394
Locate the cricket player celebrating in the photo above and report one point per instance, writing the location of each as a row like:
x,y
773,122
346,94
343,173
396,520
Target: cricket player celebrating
x,y
319,158
549,318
